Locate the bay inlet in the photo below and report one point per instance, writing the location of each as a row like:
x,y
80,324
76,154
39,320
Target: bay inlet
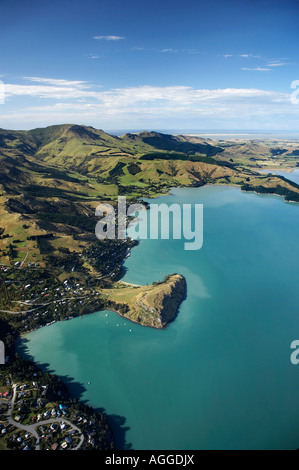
x,y
220,375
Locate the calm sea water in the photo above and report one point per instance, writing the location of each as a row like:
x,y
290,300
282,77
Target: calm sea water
x,y
220,376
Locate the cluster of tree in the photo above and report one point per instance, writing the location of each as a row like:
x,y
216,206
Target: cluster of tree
x,y
54,173
50,191
277,152
279,190
67,261
83,222
11,251
186,157
107,256
112,305
133,168
116,172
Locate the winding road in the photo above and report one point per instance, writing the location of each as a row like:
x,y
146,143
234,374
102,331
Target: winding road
x,y
31,428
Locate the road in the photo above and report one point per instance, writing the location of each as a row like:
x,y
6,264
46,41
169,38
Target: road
x,y
27,253
37,306
31,428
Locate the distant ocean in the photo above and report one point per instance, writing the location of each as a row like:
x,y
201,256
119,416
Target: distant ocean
x,y
219,134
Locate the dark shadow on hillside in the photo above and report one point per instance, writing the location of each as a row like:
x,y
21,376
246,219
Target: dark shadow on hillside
x,y
119,430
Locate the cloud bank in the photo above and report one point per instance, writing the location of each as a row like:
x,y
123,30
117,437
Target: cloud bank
x,y
51,100
109,38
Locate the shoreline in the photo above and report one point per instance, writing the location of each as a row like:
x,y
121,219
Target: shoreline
x,y
114,311
129,284
169,191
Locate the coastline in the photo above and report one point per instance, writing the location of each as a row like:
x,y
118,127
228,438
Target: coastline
x,y
129,344
118,313
167,193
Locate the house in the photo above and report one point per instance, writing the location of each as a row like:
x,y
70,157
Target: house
x,y
39,402
55,446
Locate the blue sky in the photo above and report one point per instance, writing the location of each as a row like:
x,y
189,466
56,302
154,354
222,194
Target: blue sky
x,y
123,64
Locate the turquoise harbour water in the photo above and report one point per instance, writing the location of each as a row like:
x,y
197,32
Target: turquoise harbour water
x,y
220,375
292,176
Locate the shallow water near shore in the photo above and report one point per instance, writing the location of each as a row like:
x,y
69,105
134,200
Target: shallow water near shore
x,y
220,375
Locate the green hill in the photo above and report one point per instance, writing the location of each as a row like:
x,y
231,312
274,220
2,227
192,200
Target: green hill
x,y
51,179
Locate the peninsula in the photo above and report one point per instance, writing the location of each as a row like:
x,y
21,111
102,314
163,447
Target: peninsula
x,y
155,305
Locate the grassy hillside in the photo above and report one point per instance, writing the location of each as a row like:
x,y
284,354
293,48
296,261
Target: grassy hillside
x,y
155,305
51,179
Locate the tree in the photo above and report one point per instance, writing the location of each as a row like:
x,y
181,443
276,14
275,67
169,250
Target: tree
x,y
11,251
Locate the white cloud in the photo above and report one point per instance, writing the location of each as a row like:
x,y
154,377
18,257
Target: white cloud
x,y
44,91
257,69
253,56
244,56
276,64
109,38
79,90
135,48
77,101
57,81
169,50
51,88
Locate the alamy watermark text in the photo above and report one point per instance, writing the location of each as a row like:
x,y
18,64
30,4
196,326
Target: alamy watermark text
x,y
161,221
